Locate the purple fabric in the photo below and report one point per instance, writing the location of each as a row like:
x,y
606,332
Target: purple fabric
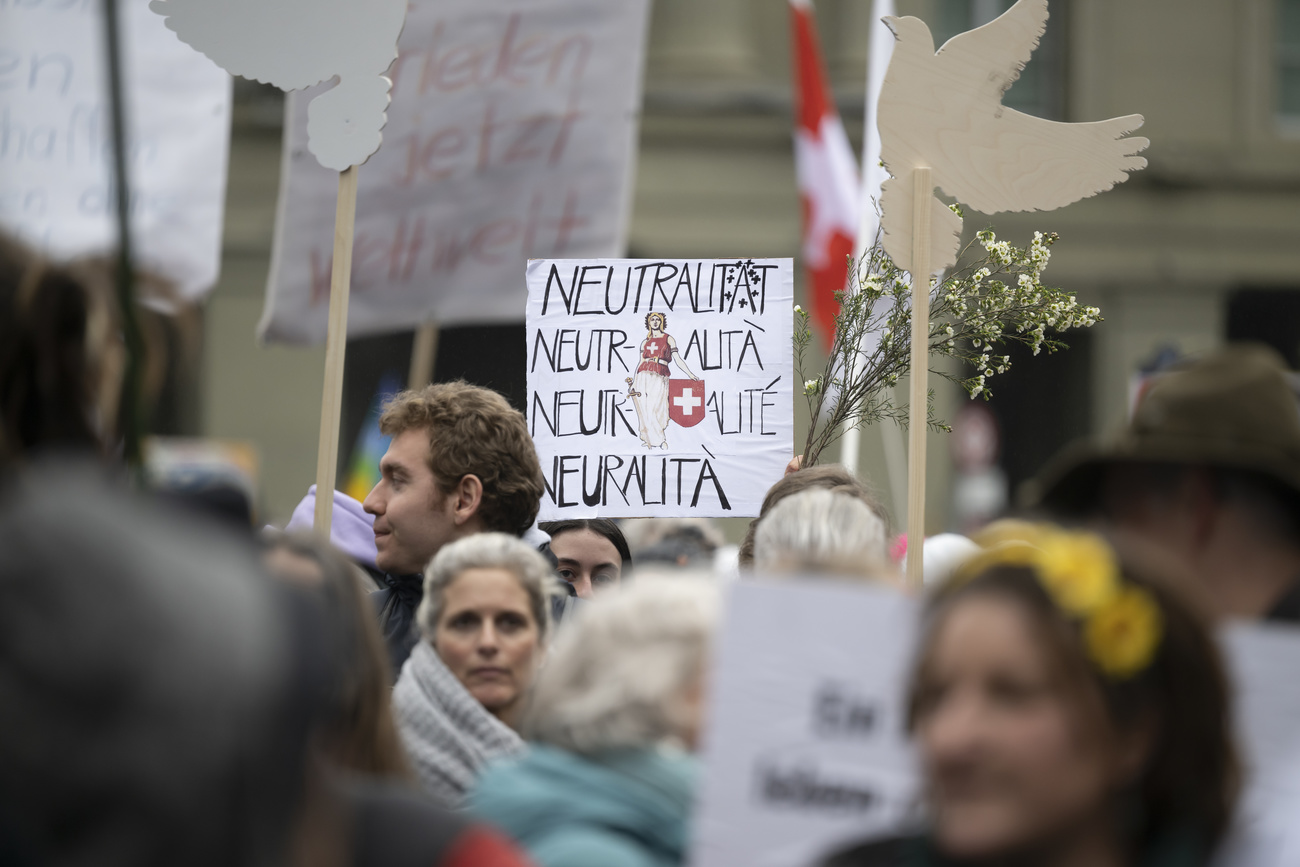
x,y
352,529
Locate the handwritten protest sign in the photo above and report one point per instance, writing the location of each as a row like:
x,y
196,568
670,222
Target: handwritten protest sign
x,y
56,191
1262,661
659,388
511,134
805,745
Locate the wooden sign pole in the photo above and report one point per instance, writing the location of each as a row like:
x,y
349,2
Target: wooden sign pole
x,y
941,117
918,410
336,343
344,128
424,349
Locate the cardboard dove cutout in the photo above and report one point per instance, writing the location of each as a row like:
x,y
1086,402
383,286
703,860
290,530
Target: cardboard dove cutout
x,y
942,123
294,44
944,110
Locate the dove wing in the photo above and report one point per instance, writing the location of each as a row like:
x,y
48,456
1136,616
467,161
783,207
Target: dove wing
x,y
1016,162
286,43
991,57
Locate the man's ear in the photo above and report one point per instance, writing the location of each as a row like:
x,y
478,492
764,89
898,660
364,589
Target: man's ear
x,y
467,498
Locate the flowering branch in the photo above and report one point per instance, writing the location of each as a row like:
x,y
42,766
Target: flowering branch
x,y
995,298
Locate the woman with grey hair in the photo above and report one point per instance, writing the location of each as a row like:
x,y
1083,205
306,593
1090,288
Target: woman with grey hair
x,y
610,778
484,622
822,531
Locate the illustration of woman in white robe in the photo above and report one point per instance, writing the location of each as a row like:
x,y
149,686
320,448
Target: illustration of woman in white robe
x,y
650,385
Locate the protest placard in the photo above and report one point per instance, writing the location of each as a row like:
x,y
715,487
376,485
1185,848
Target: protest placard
x,y
511,134
1262,660
56,187
294,44
660,387
805,749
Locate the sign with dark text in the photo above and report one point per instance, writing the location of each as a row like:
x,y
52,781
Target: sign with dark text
x,y
660,387
511,134
805,743
57,190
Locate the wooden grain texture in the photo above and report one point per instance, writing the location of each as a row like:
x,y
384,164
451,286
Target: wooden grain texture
x,y
923,192
336,342
424,349
944,110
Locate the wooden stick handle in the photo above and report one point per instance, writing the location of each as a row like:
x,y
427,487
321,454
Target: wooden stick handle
x,y
336,343
423,351
922,192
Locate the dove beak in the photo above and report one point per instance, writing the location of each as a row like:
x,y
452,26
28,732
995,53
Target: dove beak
x,y
891,21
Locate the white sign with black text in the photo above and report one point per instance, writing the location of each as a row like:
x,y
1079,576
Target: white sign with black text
x,y
805,748
57,190
660,388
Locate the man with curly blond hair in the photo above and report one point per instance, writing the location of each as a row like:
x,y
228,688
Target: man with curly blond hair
x,y
460,462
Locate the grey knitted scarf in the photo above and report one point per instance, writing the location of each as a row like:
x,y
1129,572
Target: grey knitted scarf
x,y
449,736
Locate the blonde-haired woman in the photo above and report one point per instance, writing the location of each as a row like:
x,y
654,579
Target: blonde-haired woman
x,y
485,620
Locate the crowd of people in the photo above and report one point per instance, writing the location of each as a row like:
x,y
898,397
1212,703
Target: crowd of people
x,y
463,686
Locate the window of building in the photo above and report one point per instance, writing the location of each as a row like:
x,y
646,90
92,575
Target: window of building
x,y
1288,62
1040,90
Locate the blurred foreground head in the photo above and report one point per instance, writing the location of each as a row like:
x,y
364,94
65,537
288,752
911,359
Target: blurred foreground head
x,y
820,530
1069,703
1209,470
357,732
831,477
149,714
60,358
628,672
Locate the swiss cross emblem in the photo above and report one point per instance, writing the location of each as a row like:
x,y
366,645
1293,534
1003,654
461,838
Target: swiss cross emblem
x,y
686,401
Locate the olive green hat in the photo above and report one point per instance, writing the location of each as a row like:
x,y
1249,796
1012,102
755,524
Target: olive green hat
x,y
1232,408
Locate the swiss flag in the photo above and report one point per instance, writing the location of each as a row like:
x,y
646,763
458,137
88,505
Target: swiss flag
x,y
686,401
827,174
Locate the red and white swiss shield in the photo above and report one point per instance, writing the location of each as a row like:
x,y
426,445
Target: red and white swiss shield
x,y
686,401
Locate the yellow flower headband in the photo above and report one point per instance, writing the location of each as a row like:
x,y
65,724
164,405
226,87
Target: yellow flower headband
x,y
1121,623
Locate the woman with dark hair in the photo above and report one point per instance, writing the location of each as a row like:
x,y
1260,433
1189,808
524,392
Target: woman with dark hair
x,y
1068,710
59,359
359,734
591,553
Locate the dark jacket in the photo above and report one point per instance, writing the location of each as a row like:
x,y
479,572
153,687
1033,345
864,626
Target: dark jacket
x,y
395,605
394,827
917,850
1286,609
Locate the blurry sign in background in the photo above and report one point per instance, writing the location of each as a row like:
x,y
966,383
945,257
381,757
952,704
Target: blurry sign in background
x,y
705,431
805,744
511,134
1262,661
56,188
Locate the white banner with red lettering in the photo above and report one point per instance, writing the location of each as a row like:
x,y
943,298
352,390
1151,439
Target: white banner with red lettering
x,y
511,134
660,388
57,190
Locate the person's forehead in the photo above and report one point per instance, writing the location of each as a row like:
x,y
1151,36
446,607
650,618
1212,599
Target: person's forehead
x,y
409,450
987,630
584,543
491,587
